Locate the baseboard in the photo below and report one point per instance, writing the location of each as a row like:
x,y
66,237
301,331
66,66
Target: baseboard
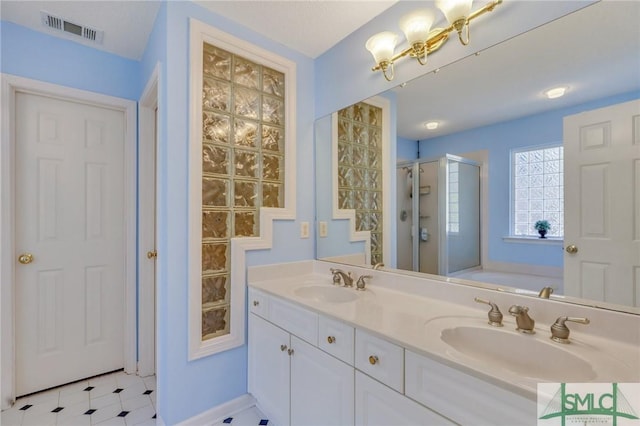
x,y
524,268
221,412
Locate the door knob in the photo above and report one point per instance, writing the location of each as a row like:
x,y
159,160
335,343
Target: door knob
x,y
152,254
572,249
25,258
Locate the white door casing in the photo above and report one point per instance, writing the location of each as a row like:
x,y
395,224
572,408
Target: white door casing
x,y
602,209
147,214
13,87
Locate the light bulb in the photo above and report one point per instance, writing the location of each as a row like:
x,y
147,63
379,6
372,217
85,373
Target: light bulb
x,y
454,10
416,26
382,46
556,92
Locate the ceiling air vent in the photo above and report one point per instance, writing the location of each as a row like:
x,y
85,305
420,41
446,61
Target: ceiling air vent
x,y
61,24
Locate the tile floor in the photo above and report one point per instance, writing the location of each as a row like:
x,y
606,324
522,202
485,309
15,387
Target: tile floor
x,y
249,417
111,399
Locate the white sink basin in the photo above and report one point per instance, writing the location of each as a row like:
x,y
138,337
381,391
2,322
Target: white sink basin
x,y
520,354
321,293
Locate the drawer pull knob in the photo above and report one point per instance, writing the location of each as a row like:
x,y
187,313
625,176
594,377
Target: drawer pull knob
x,y
331,339
256,303
283,348
290,352
373,360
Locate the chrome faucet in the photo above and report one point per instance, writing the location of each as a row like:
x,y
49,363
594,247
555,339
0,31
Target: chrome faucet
x,y
560,332
523,321
378,265
346,277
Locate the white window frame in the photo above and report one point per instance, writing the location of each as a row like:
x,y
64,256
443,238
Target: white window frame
x,y
512,237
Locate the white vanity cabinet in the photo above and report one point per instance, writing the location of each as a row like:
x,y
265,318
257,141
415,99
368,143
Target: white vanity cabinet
x,y
310,369
269,371
293,381
377,404
463,398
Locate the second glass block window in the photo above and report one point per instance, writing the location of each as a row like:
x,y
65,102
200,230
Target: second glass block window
x,y
360,169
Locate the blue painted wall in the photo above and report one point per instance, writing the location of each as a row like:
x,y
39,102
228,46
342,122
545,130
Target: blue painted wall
x,y
406,149
499,139
189,388
38,56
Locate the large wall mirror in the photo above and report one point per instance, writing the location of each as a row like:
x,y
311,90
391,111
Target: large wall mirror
x,y
496,163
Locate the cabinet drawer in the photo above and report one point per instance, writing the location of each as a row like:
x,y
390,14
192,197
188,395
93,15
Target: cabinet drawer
x,y
296,320
442,389
336,338
380,359
258,303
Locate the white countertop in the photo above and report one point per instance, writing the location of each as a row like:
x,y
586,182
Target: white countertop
x,y
415,322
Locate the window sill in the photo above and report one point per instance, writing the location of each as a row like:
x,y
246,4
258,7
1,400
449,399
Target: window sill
x,y
521,239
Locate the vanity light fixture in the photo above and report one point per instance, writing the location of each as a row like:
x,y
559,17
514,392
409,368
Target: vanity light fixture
x,y
556,92
421,38
431,125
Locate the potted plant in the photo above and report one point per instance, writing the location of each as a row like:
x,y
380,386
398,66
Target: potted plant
x,y
542,226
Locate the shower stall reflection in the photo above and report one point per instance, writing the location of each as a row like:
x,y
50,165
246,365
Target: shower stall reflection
x,y
438,207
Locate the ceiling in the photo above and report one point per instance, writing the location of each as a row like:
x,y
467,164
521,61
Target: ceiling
x,y
299,25
594,51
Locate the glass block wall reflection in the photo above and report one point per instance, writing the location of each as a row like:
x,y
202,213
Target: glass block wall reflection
x,y
360,169
242,167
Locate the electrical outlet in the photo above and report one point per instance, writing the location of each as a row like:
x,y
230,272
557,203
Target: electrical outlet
x,y
304,229
322,232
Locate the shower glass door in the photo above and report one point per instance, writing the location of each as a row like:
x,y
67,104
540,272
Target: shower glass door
x,y
459,202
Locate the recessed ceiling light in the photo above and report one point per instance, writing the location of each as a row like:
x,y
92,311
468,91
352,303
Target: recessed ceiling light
x,y
556,92
431,125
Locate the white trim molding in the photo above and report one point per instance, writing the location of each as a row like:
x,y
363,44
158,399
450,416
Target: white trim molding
x,y
199,34
10,86
147,220
217,414
387,205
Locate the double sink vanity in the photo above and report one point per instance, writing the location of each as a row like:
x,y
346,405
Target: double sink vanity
x,y
411,350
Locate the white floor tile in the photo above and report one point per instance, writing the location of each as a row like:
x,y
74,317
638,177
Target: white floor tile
x,y
76,401
74,387
140,415
81,420
73,410
150,422
39,419
106,413
73,398
104,400
133,391
11,417
116,421
137,402
128,380
102,389
150,382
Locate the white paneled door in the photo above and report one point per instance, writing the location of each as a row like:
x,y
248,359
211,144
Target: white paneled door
x,y
602,207
69,242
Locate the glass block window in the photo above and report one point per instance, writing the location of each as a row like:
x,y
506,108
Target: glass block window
x,y
453,201
242,167
538,190
360,169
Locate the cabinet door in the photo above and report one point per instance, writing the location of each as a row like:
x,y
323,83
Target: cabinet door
x,y
269,369
377,404
322,387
